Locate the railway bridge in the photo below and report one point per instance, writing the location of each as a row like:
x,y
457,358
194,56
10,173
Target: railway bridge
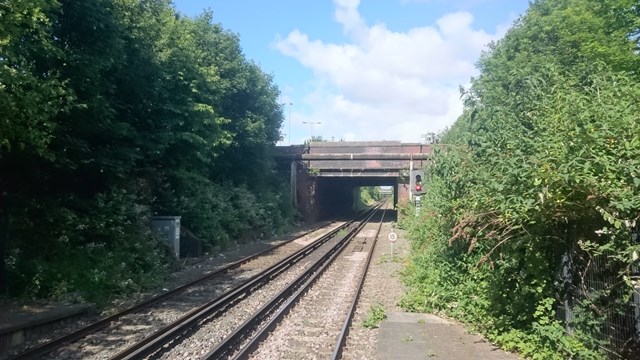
x,y
325,176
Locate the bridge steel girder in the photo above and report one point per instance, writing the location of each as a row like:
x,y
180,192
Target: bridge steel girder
x,y
380,156
376,156
351,164
358,173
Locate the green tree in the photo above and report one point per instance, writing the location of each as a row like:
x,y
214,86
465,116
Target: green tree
x,y
28,81
120,110
544,157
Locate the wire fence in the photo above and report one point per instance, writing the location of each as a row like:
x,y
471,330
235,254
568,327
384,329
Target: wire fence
x,y
599,305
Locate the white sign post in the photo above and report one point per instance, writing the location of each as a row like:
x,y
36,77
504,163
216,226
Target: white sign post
x,y
392,238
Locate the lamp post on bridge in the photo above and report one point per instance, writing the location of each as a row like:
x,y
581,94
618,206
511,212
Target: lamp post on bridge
x,y
429,138
290,104
311,123
288,134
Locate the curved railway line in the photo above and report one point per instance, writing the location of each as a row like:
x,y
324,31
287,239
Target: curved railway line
x,y
218,280
237,305
317,317
245,338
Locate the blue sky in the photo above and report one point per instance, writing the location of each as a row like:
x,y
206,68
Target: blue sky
x,y
365,70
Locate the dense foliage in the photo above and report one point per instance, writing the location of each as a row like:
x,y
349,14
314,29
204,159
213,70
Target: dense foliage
x,y
543,163
115,110
367,196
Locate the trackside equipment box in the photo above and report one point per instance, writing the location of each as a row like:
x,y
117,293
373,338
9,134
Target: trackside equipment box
x,y
169,228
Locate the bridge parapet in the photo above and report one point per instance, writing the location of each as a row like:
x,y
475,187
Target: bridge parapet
x,y
320,170
362,158
368,147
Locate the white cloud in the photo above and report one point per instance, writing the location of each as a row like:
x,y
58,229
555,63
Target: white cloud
x,y
387,85
456,3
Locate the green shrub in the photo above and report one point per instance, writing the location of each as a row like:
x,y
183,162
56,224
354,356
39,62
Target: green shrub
x,y
543,162
375,316
85,250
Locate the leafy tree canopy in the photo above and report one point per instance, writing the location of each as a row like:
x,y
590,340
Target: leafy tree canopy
x,y
544,161
112,111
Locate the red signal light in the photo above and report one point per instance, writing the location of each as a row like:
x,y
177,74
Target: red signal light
x,y
418,183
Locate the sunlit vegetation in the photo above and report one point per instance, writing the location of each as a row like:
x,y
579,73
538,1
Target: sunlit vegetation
x,y
544,162
375,316
114,111
368,195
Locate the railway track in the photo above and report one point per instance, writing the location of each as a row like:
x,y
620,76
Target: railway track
x,y
138,321
237,306
238,330
315,321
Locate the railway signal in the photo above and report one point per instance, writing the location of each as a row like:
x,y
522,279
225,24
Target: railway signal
x,y
416,182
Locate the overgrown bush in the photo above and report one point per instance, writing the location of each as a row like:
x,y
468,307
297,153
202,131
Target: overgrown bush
x,y
543,163
367,196
118,110
99,248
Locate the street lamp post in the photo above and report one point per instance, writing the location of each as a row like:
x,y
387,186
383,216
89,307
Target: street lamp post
x,y
290,104
311,123
429,138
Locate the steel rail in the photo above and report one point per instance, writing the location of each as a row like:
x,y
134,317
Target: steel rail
x,y
54,344
342,338
174,330
284,301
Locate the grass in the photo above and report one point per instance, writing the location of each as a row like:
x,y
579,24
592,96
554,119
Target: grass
x,y
375,316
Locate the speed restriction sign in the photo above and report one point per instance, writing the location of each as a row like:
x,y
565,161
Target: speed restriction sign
x,y
392,237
